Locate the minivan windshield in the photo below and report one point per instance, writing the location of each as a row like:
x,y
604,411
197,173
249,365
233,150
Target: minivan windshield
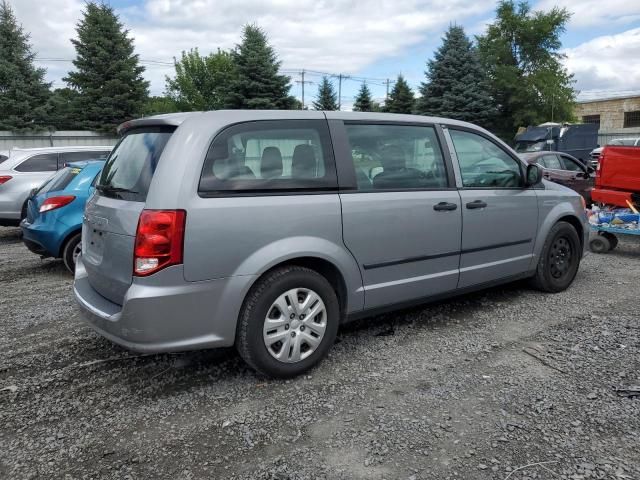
x,y
132,163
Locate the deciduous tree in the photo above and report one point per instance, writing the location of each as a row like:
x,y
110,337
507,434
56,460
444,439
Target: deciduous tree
x,y
201,82
521,53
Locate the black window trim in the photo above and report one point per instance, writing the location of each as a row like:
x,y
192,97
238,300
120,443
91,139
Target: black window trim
x,y
328,153
57,154
346,167
521,163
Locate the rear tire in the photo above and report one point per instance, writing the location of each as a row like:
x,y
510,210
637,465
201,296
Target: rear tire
x,y
70,252
284,341
559,259
599,244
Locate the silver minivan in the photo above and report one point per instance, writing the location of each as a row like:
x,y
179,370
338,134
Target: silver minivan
x,y
268,229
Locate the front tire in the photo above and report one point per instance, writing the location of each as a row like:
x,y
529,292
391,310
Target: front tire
x,y
559,259
70,252
288,322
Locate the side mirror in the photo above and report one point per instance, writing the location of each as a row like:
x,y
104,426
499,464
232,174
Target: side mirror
x,y
590,170
534,174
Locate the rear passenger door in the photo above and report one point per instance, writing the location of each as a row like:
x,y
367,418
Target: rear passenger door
x,y
400,209
499,214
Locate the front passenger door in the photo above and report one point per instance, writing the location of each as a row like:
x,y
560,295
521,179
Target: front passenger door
x,y
499,214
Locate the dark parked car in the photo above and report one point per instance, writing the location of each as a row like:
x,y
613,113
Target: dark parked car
x,y
565,170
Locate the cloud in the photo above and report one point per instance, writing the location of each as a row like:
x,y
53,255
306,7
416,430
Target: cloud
x,y
593,13
324,35
329,35
607,63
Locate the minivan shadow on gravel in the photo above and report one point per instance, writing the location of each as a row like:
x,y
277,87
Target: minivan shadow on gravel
x,y
162,375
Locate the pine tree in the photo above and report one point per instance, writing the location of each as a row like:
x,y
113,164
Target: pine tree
x,y
401,99
258,85
108,74
456,84
364,102
327,98
23,91
62,113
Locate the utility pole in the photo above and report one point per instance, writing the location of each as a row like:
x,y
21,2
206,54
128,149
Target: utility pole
x,y
386,97
340,78
302,82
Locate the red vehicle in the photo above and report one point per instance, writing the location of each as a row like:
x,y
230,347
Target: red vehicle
x,y
618,176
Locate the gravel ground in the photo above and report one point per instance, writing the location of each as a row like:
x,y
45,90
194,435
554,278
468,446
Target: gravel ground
x,y
504,384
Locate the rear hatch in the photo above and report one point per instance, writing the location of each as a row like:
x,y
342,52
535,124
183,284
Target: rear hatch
x,y
52,187
112,213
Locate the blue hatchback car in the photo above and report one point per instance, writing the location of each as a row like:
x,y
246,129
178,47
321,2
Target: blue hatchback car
x,y
53,224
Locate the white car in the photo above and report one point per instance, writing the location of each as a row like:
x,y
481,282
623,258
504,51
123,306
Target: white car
x,y
28,168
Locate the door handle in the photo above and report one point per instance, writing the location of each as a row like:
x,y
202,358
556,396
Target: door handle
x,y
476,204
445,206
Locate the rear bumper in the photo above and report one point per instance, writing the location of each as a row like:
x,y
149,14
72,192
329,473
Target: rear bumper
x,y
39,240
164,313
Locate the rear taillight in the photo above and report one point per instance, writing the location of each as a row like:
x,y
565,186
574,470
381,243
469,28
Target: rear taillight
x,y
159,240
5,178
56,202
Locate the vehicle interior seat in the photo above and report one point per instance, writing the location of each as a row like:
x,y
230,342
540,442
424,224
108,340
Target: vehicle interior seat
x,y
271,163
303,162
395,174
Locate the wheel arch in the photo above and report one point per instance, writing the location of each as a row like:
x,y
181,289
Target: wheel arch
x,y
66,238
575,223
324,267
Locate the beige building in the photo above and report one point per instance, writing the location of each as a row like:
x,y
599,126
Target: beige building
x,y
620,114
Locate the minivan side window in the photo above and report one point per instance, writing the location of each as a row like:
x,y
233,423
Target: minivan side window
x,y
267,156
396,157
483,164
46,162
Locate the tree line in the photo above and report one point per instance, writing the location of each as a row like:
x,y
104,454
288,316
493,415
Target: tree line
x,y
508,77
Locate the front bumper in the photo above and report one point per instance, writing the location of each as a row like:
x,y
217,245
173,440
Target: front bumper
x,y
165,313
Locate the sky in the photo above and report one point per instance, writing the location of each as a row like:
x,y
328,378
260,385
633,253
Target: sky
x,y
372,40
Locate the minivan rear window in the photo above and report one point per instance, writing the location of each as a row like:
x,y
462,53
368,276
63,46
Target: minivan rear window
x,y
269,156
132,163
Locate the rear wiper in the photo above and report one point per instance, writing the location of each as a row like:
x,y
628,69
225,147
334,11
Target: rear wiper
x,y
109,189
